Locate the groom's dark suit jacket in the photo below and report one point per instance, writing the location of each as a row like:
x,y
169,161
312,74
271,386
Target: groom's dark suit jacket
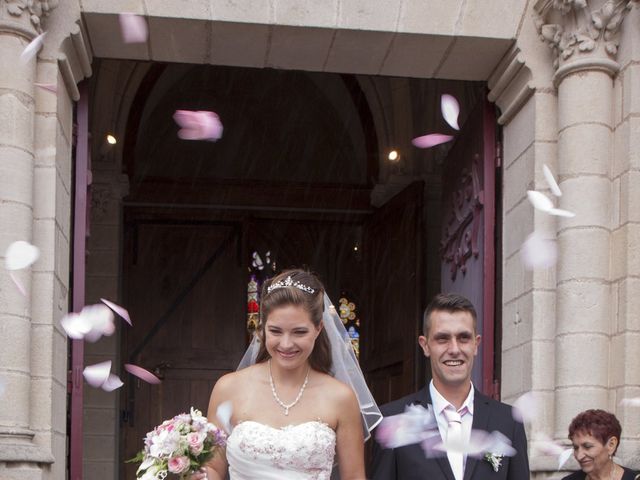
x,y
410,463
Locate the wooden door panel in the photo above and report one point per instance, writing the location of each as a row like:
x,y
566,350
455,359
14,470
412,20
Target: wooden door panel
x,y
394,299
185,287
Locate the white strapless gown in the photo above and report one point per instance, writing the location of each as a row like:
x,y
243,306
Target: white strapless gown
x,y
302,452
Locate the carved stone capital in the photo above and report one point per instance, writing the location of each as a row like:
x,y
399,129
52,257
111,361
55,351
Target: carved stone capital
x,y
582,33
34,10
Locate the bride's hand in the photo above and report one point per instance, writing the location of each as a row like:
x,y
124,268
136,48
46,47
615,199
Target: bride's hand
x,y
199,475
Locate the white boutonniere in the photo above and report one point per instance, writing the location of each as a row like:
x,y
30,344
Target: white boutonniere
x,y
494,459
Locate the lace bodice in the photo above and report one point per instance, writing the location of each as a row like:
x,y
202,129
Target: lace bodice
x,y
301,452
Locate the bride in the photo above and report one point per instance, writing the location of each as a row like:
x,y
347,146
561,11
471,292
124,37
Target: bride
x,y
301,398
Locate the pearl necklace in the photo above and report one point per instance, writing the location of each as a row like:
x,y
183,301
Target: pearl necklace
x,y
275,395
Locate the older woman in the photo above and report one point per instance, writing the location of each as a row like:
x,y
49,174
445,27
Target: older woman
x,y
595,435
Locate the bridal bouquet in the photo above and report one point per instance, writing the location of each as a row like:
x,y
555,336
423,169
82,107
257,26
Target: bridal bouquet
x,y
179,446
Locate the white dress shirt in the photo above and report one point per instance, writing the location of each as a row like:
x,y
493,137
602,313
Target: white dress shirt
x,y
466,411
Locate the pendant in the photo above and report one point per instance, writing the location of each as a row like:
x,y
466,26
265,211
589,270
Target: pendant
x,y
286,411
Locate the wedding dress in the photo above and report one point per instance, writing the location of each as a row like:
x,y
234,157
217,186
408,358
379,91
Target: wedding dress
x,y
260,452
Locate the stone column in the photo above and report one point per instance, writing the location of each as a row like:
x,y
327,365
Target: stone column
x,y
584,37
19,24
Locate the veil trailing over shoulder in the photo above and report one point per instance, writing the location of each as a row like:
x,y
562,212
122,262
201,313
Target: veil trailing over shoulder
x,y
344,367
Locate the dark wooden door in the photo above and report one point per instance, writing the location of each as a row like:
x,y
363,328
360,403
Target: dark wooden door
x,y
468,229
393,246
185,287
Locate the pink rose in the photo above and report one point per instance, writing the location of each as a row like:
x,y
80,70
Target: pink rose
x,y
178,464
196,442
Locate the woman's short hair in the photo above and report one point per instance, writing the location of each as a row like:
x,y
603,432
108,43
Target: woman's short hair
x,y
597,423
448,302
287,293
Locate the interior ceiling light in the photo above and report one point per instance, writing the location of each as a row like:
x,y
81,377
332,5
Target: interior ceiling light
x,y
111,140
393,155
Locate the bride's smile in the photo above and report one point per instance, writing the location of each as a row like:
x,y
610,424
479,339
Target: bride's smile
x,y
290,336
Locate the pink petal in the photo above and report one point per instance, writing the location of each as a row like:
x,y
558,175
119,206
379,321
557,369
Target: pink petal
x,y
118,309
431,140
538,252
96,375
32,49
561,213
100,317
539,201
141,373
18,284
134,28
525,408
551,181
50,87
75,325
450,110
112,383
198,125
20,255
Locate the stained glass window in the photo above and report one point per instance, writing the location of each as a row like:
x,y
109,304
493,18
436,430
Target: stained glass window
x,y
351,322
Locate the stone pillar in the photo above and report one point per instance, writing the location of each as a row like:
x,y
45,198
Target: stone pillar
x,y
19,24
584,37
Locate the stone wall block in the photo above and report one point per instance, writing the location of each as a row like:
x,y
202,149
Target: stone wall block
x,y
629,305
64,210
46,101
374,15
439,18
42,306
615,203
581,305
100,421
589,198
479,13
521,224
12,302
16,118
631,367
98,6
44,192
44,236
513,378
65,118
516,280
575,89
518,178
542,377
20,76
59,468
630,197
15,400
42,352
574,368
617,99
625,251
584,253
41,402
249,11
12,354
519,133
543,304
631,90
16,175
581,150
617,365
62,251
626,154
306,12
45,152
188,9
546,123
577,399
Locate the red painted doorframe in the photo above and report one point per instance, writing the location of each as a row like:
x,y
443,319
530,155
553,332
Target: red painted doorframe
x,y
80,231
489,257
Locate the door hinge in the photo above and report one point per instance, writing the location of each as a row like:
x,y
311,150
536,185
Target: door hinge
x,y
498,154
496,389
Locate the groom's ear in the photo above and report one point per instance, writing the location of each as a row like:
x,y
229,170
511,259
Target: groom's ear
x,y
424,344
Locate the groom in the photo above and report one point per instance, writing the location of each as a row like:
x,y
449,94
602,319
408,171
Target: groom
x,y
451,342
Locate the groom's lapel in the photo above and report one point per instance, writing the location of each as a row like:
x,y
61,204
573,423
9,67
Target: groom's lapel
x,y
480,422
424,397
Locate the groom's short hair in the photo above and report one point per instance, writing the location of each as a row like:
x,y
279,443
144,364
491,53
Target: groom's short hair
x,y
448,302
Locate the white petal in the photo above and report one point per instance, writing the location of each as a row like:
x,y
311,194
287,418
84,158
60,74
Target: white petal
x,y
20,255
539,200
564,456
450,110
525,408
96,375
118,309
630,402
112,383
539,252
223,414
551,181
101,319
561,213
75,325
33,48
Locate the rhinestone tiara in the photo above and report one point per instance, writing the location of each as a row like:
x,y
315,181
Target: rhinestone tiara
x,y
287,282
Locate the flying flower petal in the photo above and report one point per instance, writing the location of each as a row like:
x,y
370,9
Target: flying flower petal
x,y
415,425
20,255
112,383
33,48
630,402
539,201
525,408
561,213
96,375
133,27
564,456
142,374
75,325
450,110
50,87
223,414
431,140
551,181
538,252
16,281
101,319
480,442
198,125
118,310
